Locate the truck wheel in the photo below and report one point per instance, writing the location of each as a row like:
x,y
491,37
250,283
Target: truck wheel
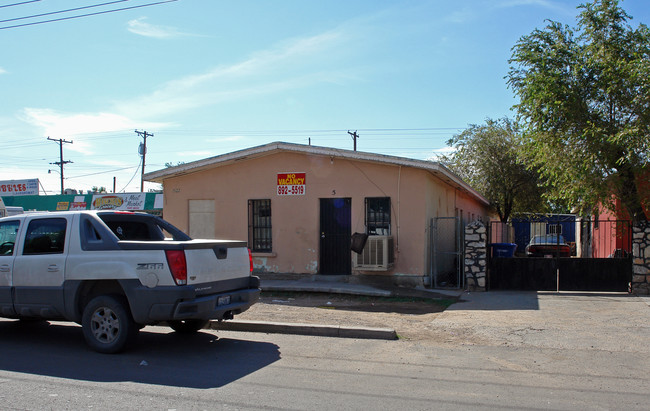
x,y
107,324
187,326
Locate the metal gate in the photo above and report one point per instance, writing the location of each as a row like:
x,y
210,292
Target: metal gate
x,y
445,262
579,255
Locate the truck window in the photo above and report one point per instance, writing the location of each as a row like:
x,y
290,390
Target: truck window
x,y
132,230
141,227
8,231
45,236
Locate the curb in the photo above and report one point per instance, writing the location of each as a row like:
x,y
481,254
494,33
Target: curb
x,y
304,329
331,289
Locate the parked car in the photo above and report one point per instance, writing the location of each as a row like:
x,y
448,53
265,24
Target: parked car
x,y
549,245
114,272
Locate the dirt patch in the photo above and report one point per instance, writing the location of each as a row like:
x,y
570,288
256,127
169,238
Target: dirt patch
x,y
402,305
613,322
412,318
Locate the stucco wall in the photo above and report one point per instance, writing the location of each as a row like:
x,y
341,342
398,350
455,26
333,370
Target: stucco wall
x,y
416,195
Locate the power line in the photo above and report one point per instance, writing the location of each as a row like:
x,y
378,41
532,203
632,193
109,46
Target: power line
x,y
355,136
102,172
62,11
143,152
87,14
134,174
61,163
330,131
19,4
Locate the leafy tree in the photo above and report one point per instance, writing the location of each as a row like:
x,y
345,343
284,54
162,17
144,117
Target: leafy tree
x,y
486,157
585,106
96,189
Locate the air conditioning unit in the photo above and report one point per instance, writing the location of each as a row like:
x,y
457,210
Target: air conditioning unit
x,y
377,255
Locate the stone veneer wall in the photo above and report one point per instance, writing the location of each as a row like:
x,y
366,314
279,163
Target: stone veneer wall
x,y
475,256
641,253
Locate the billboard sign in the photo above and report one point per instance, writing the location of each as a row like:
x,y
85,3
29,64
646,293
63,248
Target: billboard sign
x,y
130,202
27,187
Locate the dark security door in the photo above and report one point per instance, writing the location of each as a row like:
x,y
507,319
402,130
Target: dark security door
x,y
335,234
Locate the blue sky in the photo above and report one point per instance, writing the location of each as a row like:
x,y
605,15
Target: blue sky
x,y
208,77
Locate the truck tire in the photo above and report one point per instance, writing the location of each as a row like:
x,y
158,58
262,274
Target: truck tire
x,y
107,324
187,326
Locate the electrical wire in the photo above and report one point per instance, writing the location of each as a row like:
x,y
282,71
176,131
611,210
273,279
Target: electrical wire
x,y
87,14
136,172
104,172
42,187
62,11
19,4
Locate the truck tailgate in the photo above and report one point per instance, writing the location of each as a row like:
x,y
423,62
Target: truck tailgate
x,y
209,261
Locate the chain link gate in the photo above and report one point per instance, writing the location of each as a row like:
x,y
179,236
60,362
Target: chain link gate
x,y
446,259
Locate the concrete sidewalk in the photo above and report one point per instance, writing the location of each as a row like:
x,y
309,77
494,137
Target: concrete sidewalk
x,y
338,285
330,285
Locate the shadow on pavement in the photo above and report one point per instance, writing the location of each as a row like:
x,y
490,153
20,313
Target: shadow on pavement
x,y
497,300
197,361
520,300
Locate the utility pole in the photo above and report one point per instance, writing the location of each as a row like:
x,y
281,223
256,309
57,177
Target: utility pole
x,y
143,153
60,163
355,136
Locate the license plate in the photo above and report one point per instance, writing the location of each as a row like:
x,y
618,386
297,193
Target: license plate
x,y
223,300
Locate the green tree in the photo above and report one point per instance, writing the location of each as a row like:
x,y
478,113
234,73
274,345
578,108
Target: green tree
x,y
96,189
486,157
584,102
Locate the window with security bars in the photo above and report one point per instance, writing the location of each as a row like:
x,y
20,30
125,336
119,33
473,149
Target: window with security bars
x,y
378,215
259,225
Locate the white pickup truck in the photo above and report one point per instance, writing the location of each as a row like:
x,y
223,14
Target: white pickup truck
x,y
115,272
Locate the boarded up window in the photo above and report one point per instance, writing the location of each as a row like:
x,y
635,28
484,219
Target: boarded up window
x,y
202,219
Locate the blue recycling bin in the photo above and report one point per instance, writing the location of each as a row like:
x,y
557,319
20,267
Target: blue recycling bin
x,y
503,250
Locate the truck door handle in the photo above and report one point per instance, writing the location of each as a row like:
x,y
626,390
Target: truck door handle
x,y
4,268
53,268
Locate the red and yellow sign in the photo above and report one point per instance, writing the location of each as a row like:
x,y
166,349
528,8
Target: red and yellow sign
x,y
78,205
292,184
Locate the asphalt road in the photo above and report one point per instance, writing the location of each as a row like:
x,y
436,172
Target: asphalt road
x,y
49,367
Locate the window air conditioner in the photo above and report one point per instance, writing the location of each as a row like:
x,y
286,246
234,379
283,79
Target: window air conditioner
x,y
377,255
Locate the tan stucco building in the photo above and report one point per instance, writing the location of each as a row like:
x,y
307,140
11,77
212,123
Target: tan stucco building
x,y
298,206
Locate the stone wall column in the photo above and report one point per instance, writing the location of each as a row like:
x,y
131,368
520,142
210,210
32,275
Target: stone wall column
x,y
641,254
475,256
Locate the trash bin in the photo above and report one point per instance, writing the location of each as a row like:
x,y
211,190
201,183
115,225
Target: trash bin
x,y
503,249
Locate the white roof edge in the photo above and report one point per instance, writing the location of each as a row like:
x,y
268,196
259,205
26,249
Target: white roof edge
x,y
432,166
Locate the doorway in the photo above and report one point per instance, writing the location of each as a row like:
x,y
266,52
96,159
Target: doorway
x,y
335,234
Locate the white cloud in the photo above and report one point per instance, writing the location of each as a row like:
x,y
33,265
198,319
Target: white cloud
x,y
112,163
3,71
462,16
541,3
435,154
292,64
67,125
142,28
